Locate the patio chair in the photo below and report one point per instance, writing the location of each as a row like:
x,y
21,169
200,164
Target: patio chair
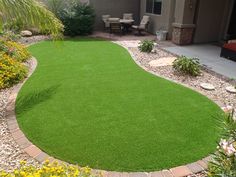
x,y
115,26
105,19
143,25
127,16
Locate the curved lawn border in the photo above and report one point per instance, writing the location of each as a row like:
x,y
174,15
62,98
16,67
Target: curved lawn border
x,y
39,155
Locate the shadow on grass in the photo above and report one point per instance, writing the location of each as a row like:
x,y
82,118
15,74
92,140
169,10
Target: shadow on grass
x,y
29,101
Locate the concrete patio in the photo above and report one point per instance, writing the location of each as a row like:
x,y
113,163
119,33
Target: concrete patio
x,y
209,55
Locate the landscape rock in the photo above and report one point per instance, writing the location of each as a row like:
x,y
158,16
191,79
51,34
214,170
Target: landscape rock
x,y
207,86
26,33
231,89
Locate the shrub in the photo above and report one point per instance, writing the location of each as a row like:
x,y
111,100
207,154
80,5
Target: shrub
x,y
9,36
189,66
11,71
78,19
49,169
146,46
224,159
16,25
15,50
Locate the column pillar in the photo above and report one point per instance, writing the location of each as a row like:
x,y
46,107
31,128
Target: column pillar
x,y
183,27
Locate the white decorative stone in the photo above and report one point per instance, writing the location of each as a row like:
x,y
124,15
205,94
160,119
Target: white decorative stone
x,y
26,33
231,89
207,86
165,61
227,109
154,51
155,44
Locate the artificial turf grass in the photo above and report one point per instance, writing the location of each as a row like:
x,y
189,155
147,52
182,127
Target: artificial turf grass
x,y
89,103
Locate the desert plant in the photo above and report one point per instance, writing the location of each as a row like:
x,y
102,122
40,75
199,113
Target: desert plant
x,y
78,19
11,71
224,159
189,66
146,46
50,169
32,13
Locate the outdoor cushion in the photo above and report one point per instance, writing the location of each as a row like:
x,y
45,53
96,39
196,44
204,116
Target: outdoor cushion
x,y
143,24
135,26
232,41
114,20
230,46
128,16
105,19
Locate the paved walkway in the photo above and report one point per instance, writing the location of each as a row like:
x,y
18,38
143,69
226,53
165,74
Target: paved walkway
x,y
209,55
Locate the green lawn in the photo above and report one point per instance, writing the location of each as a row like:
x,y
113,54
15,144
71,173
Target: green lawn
x,y
89,103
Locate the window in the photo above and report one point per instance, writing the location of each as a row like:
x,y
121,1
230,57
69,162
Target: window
x,y
154,6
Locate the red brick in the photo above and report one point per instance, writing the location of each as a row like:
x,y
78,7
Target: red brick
x,y
156,174
18,134
33,151
195,167
42,157
202,164
23,142
167,173
180,171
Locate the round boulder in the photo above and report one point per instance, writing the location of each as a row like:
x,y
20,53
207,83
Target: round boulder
x,y
26,33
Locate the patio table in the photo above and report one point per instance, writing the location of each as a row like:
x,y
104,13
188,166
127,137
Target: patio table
x,y
126,24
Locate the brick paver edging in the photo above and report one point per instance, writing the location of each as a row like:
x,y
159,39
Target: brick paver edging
x,y
40,156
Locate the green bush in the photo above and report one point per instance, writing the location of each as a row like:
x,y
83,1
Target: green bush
x,y
78,19
224,159
9,36
15,25
146,46
189,66
11,71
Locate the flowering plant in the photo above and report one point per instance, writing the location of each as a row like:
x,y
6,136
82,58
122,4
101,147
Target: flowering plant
x,y
224,160
49,170
11,71
15,50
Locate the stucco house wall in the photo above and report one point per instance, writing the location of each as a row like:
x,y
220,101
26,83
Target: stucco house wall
x,y
115,8
163,21
204,20
212,20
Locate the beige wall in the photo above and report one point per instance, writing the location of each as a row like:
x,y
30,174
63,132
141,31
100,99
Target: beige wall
x,y
162,21
212,20
115,8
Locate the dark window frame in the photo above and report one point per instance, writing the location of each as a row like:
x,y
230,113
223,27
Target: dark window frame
x,y
154,7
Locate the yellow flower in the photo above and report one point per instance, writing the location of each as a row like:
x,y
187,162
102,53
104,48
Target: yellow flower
x,y
22,162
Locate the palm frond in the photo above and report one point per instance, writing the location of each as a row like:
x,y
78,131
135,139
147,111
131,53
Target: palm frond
x,y
31,13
